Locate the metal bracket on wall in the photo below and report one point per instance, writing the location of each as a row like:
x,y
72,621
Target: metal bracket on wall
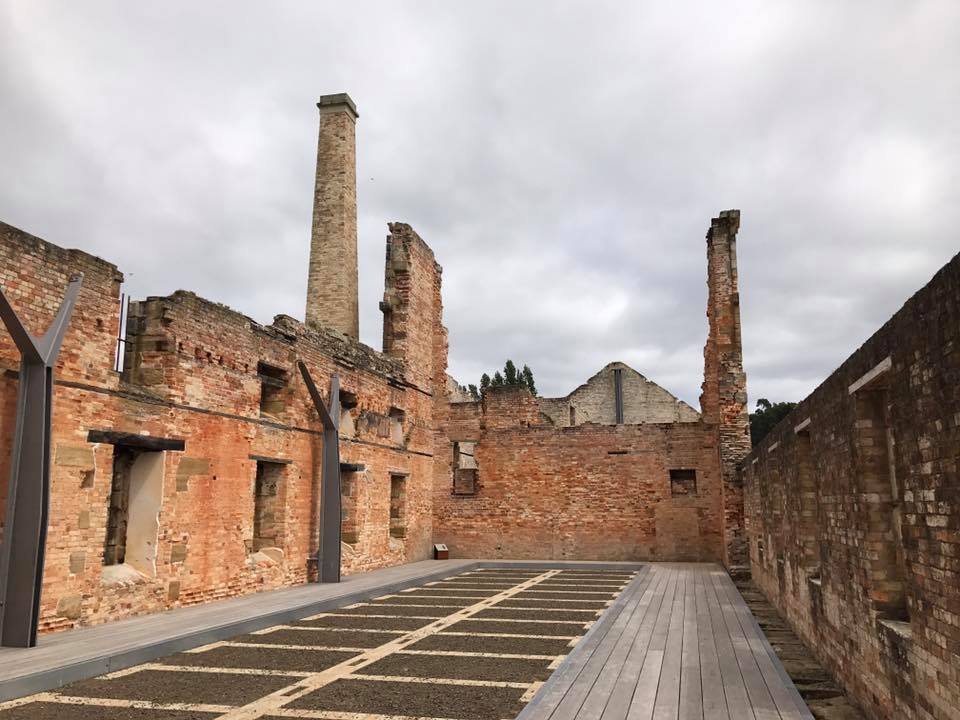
x,y
28,494
328,554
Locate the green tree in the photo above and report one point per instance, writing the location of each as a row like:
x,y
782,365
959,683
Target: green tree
x,y
527,375
474,393
497,379
510,376
765,418
484,381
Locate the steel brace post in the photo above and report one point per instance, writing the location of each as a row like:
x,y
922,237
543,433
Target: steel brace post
x,y
328,553
28,494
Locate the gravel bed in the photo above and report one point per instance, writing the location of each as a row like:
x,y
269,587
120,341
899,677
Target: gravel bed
x,y
515,628
506,645
517,614
61,711
365,623
553,604
323,638
463,702
460,668
231,656
166,686
400,611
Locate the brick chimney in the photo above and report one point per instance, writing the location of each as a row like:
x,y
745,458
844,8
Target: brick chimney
x,y
332,297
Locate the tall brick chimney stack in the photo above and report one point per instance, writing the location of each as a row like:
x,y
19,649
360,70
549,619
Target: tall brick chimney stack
x,y
724,398
332,296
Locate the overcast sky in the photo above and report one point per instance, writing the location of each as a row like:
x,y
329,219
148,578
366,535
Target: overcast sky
x,y
562,159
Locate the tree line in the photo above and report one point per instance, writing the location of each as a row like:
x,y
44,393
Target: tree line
x,y
510,376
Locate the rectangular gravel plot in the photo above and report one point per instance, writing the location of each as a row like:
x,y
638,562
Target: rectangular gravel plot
x,y
518,628
399,610
359,622
456,592
323,638
165,686
552,604
258,658
479,585
517,614
566,595
507,645
584,576
414,600
460,668
62,711
464,702
586,587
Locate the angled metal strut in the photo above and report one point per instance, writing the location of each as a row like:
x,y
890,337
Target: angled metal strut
x,y
328,554
28,494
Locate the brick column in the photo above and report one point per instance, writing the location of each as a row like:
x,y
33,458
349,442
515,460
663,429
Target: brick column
x,y
332,297
724,398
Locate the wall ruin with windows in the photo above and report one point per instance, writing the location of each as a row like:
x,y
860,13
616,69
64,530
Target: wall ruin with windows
x,y
228,388
598,492
853,513
619,469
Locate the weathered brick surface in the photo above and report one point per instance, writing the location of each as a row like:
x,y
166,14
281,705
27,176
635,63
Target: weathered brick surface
x,y
539,485
192,374
856,509
332,290
585,492
723,402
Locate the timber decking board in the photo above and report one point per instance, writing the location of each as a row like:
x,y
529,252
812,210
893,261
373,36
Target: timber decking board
x,y
678,644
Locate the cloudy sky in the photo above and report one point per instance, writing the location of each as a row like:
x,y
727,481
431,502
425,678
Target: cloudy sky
x,y
562,159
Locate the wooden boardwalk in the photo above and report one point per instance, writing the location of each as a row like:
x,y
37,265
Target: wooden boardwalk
x,y
679,643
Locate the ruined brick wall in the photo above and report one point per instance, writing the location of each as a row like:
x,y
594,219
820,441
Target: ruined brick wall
x,y
723,401
196,371
595,401
853,513
589,492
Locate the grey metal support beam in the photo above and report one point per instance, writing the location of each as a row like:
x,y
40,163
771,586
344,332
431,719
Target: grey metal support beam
x,y
28,494
328,553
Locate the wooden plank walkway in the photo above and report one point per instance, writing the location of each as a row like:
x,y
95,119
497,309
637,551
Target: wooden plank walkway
x,y
679,644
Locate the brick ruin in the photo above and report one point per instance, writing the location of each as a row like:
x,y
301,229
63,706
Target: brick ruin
x,y
853,513
188,468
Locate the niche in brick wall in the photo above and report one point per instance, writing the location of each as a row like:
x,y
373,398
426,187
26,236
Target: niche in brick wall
x,y
273,382
348,409
133,521
267,505
398,505
683,483
879,487
349,527
465,468
397,418
807,485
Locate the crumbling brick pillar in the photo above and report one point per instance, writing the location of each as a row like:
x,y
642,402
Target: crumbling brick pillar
x,y
723,401
332,296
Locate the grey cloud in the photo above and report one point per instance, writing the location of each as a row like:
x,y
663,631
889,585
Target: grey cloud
x,y
562,159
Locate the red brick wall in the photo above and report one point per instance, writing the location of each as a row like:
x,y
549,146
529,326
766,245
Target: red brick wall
x,y
834,543
724,399
192,375
597,492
